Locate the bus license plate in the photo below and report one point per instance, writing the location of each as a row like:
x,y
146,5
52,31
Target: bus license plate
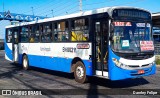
x,y
140,71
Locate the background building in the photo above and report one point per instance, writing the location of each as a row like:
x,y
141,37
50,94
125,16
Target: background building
x,y
156,31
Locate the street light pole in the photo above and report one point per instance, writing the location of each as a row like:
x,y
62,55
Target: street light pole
x,y
3,10
80,5
52,13
32,11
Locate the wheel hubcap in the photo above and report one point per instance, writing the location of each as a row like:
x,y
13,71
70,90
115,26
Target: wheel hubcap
x,y
25,63
79,72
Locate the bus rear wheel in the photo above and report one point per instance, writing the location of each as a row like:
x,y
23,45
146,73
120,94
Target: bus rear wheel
x,y
80,72
25,62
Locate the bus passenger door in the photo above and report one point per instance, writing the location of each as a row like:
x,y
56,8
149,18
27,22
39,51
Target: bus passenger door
x,y
15,49
101,47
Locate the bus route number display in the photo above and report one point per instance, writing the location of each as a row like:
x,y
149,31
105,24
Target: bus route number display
x,y
122,23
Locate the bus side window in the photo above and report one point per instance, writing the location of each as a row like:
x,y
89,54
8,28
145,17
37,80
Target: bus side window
x,y
9,36
24,34
80,31
47,33
43,33
16,37
55,32
37,33
31,39
51,32
66,36
63,31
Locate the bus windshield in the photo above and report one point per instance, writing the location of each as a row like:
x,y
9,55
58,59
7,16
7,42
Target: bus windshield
x,y
132,37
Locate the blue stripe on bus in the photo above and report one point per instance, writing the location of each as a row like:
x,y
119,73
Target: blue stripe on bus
x,y
116,73
20,58
56,63
8,52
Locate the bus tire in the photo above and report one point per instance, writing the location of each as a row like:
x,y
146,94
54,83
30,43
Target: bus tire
x,y
80,72
25,62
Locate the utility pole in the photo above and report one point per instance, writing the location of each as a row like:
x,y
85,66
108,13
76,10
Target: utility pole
x,y
3,9
32,11
80,5
3,6
52,13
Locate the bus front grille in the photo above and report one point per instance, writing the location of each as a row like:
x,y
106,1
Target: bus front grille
x,y
138,66
133,66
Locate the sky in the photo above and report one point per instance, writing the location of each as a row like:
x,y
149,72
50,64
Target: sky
x,y
50,8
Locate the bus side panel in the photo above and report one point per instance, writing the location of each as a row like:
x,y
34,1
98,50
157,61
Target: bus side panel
x,y
20,58
64,64
56,63
72,50
55,56
23,49
89,67
36,61
8,51
116,73
35,54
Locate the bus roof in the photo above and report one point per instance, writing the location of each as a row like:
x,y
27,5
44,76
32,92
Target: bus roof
x,y
109,10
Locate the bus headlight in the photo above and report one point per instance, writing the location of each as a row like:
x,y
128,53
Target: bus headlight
x,y
119,64
151,64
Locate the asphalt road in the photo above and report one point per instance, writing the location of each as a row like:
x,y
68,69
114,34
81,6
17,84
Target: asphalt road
x,y
62,85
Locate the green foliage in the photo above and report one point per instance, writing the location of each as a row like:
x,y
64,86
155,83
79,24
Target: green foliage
x,y
158,60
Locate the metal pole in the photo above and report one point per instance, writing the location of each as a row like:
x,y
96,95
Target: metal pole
x,y
52,13
80,5
32,11
3,9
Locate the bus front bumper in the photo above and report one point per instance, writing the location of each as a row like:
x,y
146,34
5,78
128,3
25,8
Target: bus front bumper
x,y
119,74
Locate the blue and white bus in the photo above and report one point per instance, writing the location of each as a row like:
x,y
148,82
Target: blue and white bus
x,y
113,43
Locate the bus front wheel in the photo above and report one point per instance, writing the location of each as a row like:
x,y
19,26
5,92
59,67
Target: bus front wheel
x,y
25,62
80,72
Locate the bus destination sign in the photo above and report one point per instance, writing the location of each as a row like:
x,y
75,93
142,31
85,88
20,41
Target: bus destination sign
x,y
131,13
